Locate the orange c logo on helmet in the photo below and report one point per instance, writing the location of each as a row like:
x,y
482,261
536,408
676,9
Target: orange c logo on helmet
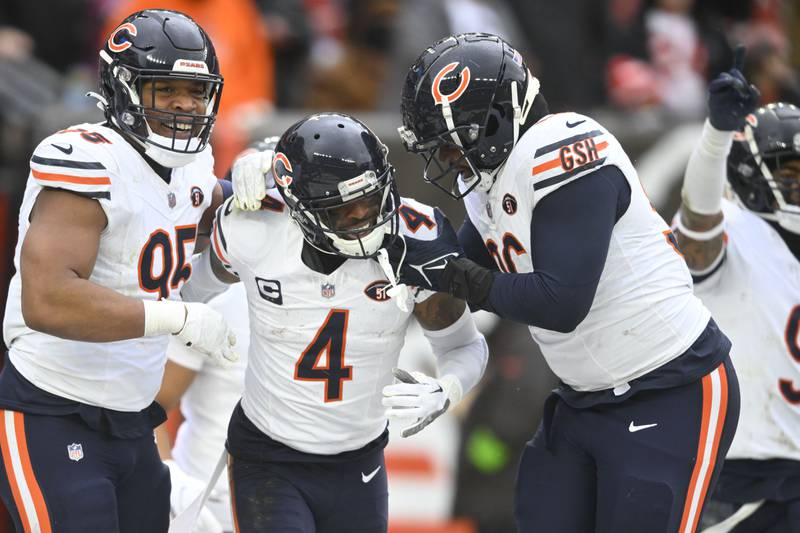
x,y
113,46
284,180
440,98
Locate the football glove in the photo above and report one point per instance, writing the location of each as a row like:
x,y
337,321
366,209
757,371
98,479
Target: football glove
x,y
185,489
469,281
252,176
730,97
419,396
207,331
420,263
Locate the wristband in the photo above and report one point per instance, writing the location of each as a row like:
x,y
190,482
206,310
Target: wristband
x,y
163,317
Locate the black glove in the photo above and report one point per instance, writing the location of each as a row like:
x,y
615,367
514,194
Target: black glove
x,y
730,97
467,280
420,263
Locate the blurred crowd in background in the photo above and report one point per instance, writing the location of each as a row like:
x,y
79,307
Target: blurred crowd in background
x,y
639,66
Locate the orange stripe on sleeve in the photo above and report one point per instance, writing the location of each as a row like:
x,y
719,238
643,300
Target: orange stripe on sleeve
x,y
548,165
602,146
12,479
36,493
80,180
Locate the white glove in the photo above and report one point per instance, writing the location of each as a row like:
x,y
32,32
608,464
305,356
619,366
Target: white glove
x,y
207,331
419,396
185,489
252,176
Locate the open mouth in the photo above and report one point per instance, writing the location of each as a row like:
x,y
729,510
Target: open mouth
x,y
358,232
180,130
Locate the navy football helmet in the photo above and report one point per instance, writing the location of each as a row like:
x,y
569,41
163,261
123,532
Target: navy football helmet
x,y
764,164
332,172
154,45
469,95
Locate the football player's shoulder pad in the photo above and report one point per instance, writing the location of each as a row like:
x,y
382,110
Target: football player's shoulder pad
x,y
559,149
246,234
84,159
419,221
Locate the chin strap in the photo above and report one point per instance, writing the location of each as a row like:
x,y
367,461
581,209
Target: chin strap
x,y
399,291
102,103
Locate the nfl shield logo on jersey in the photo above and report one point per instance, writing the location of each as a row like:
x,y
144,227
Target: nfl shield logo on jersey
x,y
328,290
75,451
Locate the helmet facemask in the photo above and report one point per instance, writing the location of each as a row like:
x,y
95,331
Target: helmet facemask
x,y
777,195
325,222
131,88
468,157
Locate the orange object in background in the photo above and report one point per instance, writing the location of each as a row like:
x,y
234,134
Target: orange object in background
x,y
456,526
245,57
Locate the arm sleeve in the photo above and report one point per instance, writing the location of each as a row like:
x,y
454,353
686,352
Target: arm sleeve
x,y
461,352
471,242
704,180
570,234
203,285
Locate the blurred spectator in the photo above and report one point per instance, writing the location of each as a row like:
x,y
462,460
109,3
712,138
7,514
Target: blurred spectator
x,y
348,74
60,33
768,68
672,75
768,63
15,44
427,21
289,33
565,42
245,59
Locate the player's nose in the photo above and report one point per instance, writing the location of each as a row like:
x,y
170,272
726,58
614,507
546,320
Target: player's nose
x,y
447,154
183,100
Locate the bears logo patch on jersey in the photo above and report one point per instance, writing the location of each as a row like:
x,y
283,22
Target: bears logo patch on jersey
x,y
377,290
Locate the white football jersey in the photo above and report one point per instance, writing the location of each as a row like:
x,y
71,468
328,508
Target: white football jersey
x,y
754,296
144,253
209,401
322,347
644,313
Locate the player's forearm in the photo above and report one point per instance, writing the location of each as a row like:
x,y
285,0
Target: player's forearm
x,y
81,310
704,180
535,299
460,350
699,222
163,442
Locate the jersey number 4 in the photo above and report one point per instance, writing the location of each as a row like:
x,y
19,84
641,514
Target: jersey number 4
x,y
174,266
330,339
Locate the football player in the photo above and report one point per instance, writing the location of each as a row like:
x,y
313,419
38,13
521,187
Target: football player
x,y
106,228
327,323
560,236
743,254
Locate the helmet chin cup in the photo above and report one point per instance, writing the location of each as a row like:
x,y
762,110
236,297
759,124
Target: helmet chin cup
x,y
487,178
366,246
185,154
